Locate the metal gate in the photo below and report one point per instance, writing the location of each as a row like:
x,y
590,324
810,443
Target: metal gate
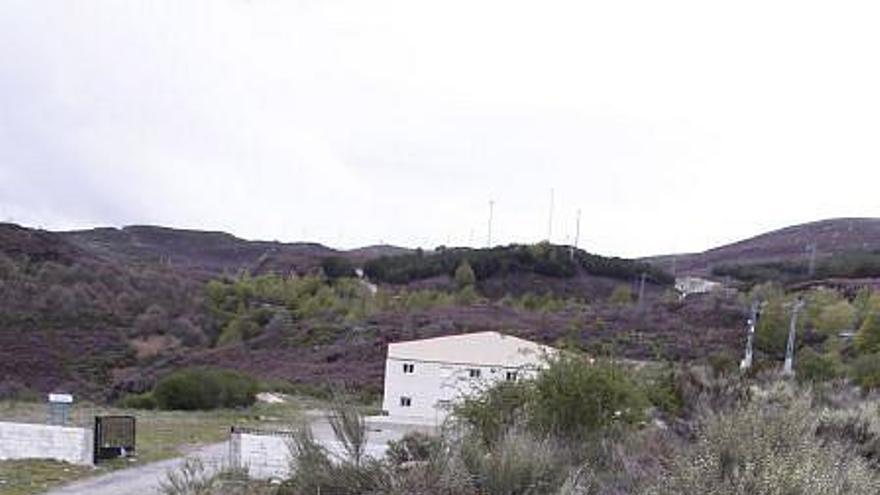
x,y
114,437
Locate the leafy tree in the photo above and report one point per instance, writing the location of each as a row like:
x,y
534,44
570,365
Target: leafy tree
x,y
205,388
464,275
621,295
865,371
467,295
868,337
337,267
814,367
865,302
771,334
836,317
573,398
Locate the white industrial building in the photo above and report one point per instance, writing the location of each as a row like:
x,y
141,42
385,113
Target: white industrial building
x,y
695,285
424,377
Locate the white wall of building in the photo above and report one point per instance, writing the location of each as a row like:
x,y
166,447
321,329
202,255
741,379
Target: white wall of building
x,y
264,455
424,378
432,387
35,441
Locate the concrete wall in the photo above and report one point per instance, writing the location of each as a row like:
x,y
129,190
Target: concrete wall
x,y
265,454
433,386
35,441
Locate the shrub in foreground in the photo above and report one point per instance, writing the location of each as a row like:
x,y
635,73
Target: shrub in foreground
x,y
766,449
204,389
574,398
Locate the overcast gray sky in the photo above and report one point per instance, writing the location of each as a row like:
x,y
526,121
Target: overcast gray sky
x,y
673,126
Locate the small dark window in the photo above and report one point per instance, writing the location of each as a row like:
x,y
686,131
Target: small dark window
x,y
405,402
474,372
511,376
409,368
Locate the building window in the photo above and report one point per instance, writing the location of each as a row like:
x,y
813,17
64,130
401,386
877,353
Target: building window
x,y
474,372
409,368
405,401
511,376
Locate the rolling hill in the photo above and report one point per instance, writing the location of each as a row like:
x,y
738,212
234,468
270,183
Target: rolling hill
x,y
791,244
106,311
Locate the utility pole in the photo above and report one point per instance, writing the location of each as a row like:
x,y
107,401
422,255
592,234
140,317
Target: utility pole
x,y
642,288
811,248
550,220
788,369
577,233
491,212
746,363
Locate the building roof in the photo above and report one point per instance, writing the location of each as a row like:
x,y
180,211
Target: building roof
x,y
481,348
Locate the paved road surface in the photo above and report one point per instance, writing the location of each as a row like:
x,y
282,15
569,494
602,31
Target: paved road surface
x,y
145,479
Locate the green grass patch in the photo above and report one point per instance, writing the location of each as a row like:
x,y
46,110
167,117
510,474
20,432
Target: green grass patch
x,y
37,476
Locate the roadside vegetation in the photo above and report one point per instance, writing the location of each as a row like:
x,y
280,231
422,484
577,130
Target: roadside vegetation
x,y
607,427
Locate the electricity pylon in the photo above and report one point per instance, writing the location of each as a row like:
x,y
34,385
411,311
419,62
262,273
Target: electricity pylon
x,y
788,369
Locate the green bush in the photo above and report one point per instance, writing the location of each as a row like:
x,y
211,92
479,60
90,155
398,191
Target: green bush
x,y
868,338
723,363
865,371
464,275
663,391
337,267
412,447
145,400
573,398
204,389
813,367
621,295
491,413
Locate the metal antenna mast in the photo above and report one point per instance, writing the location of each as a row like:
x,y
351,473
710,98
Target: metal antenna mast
x,y
550,220
491,212
788,369
746,363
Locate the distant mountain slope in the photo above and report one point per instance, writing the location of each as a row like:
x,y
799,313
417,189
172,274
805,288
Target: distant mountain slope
x,y
211,253
830,237
38,245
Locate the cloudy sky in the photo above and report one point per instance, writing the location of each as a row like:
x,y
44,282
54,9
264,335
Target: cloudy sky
x,y
672,126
